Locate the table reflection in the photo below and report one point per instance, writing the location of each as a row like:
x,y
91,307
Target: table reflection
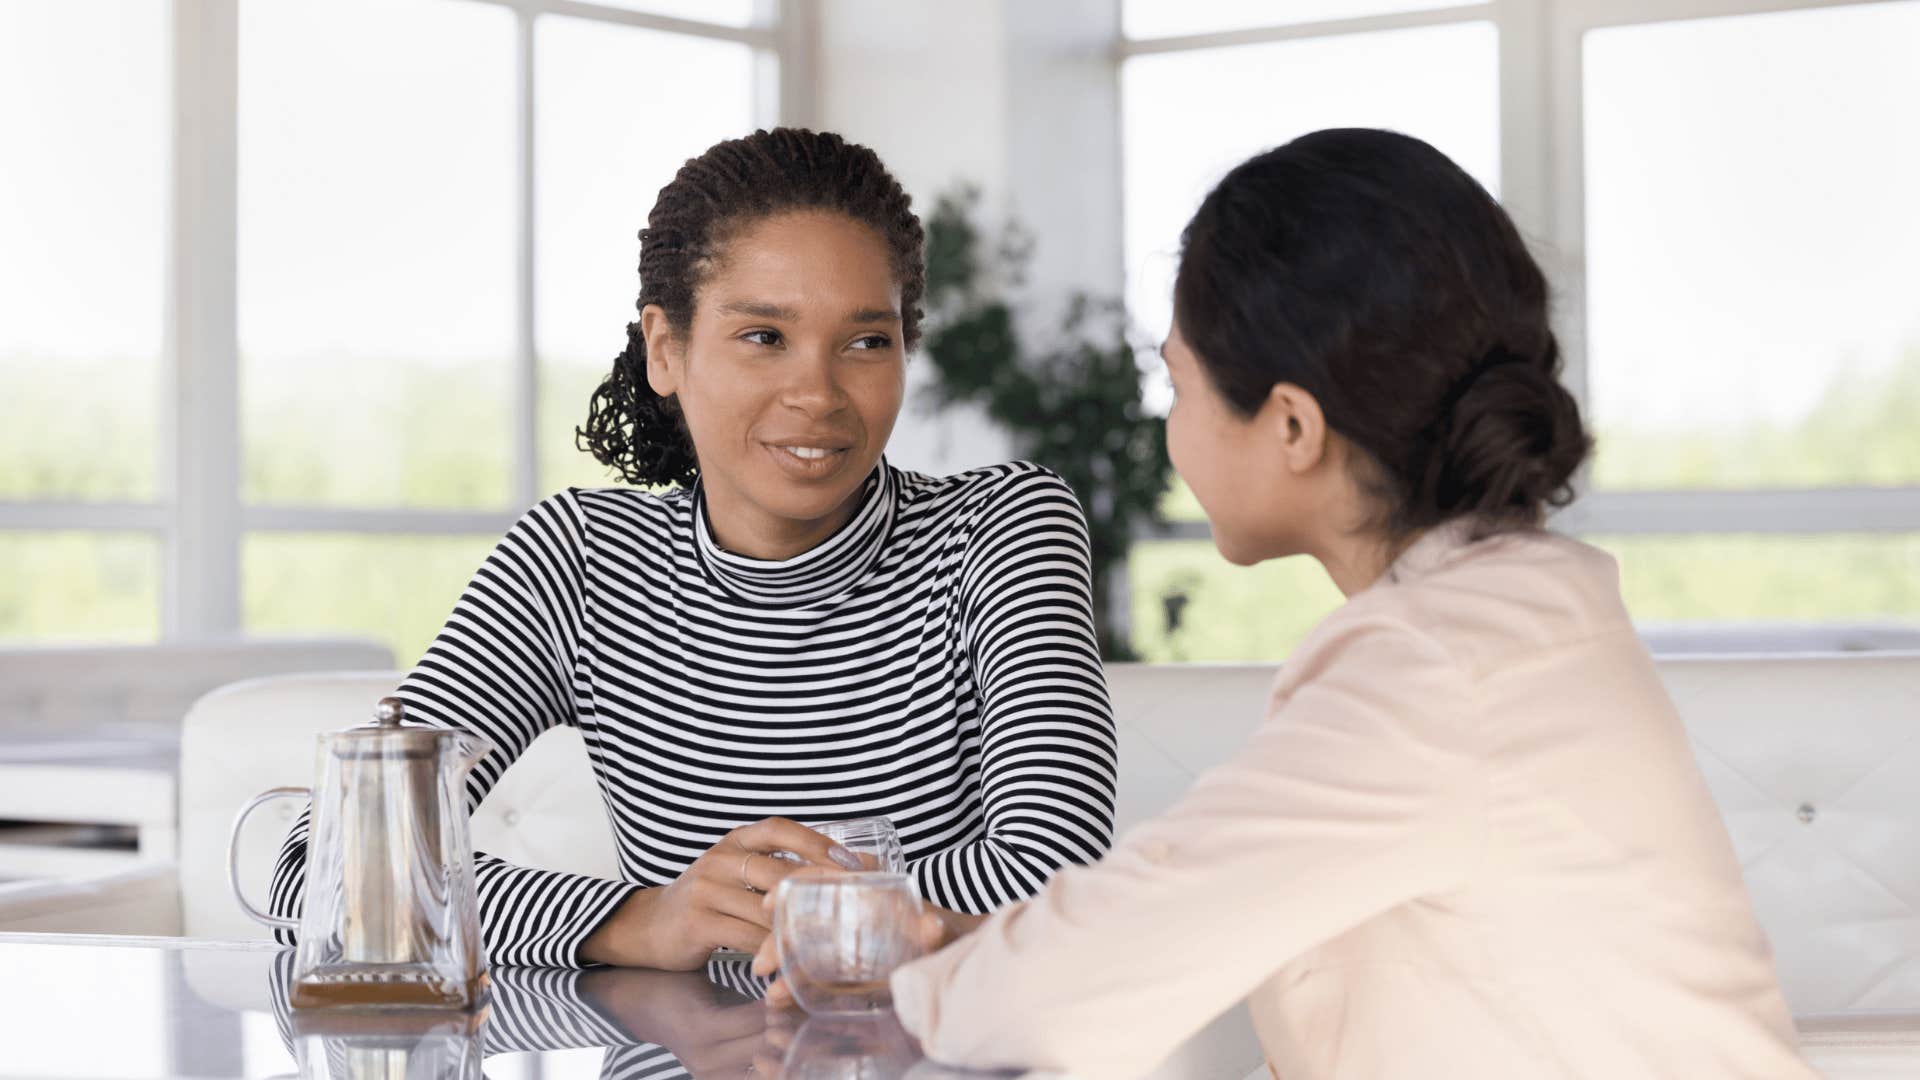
x,y
415,1046
74,1007
706,1025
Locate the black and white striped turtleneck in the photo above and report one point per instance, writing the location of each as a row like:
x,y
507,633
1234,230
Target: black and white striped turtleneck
x,y
933,661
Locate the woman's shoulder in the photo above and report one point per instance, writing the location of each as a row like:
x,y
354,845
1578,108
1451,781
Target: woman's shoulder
x,y
1490,601
1003,485
631,515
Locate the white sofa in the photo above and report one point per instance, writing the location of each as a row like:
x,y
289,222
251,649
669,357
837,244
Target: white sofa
x,y
90,738
1814,761
142,691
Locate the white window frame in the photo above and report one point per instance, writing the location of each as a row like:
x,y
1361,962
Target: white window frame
x,y
198,516
1542,171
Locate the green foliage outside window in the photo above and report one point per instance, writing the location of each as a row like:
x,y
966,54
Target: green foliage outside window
x,y
1864,430
88,431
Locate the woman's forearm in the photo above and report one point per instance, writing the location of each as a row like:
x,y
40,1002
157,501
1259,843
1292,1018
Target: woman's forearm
x,y
624,939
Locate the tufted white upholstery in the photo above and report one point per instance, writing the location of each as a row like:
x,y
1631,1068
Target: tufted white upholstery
x,y
1815,762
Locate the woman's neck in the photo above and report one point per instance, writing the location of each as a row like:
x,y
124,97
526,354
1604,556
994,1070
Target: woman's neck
x,y
744,528
1356,555
1353,567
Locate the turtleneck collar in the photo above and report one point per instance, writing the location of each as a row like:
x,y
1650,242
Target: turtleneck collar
x,y
819,573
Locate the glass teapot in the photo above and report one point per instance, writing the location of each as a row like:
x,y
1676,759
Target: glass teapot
x,y
392,918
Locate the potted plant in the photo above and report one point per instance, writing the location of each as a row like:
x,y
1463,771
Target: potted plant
x,y
1072,403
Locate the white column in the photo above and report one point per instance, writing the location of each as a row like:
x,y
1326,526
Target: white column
x,y
525,401
789,77
202,425
1062,131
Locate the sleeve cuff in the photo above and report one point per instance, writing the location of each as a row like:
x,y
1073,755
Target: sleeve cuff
x,y
603,901
542,918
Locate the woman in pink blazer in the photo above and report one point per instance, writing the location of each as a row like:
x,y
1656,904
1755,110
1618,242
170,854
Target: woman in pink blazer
x,y
1469,839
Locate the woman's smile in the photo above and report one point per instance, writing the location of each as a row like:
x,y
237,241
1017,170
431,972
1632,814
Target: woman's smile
x,y
809,460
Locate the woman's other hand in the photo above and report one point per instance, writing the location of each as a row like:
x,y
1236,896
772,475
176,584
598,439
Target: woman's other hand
x,y
715,903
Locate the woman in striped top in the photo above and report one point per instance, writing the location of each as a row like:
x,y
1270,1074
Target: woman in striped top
x,y
799,631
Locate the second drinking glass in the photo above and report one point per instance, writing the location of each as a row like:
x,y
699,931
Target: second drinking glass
x,y
840,936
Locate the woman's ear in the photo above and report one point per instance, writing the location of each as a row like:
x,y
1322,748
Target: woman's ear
x,y
1293,418
663,362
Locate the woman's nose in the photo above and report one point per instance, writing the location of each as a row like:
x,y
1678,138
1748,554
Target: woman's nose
x,y
815,386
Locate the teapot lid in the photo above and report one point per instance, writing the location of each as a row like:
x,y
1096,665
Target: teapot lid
x,y
387,737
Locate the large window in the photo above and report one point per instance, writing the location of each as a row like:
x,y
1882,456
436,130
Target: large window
x,y
303,298
82,228
1753,249
376,261
614,121
1190,115
1724,193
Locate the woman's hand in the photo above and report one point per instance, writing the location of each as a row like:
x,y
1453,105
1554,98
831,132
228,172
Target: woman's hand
x,y
938,926
716,903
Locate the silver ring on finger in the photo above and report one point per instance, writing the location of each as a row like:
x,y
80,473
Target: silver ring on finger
x,y
746,882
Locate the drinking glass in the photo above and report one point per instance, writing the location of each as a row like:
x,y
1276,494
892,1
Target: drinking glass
x,y
840,936
873,839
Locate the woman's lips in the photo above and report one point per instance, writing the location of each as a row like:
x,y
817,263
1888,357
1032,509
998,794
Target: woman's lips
x,y
808,462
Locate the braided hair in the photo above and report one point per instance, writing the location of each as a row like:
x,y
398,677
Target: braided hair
x,y
636,432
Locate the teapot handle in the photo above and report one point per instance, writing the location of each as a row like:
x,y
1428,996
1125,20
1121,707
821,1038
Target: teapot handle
x,y
233,855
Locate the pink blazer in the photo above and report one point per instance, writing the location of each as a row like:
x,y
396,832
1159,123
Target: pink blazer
x,y
1468,840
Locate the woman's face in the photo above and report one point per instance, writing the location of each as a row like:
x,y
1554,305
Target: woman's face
x,y
790,377
1237,466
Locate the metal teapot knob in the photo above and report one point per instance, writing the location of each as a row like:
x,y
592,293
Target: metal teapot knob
x,y
390,712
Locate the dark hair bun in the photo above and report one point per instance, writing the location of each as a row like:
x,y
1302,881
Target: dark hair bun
x,y
1507,447
1368,269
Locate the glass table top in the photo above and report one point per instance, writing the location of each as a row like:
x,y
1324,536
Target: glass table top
x,y
74,1006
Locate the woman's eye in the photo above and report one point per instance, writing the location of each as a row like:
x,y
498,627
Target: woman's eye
x,y
761,337
873,341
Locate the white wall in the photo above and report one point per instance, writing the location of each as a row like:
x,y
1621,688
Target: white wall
x,y
1016,97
